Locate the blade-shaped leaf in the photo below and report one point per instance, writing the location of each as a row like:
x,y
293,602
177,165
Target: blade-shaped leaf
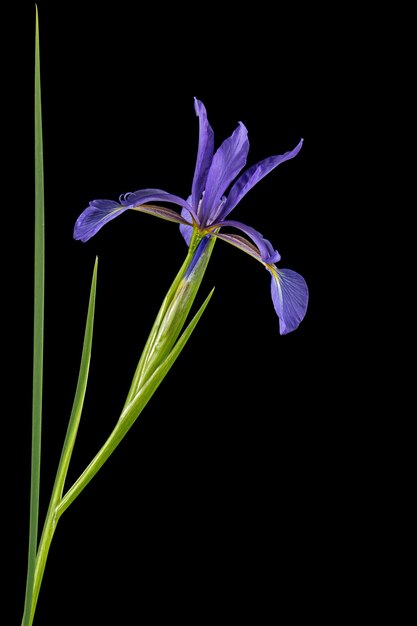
x,y
52,515
78,403
38,333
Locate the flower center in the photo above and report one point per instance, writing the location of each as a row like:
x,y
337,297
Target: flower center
x,y
214,214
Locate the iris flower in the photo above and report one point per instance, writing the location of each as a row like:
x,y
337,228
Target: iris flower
x,y
207,209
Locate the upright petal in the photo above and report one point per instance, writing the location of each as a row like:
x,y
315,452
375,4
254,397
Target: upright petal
x,y
253,175
204,154
98,213
290,297
228,161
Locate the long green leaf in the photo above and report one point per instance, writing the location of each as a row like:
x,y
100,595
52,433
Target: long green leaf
x,y
38,332
78,403
52,517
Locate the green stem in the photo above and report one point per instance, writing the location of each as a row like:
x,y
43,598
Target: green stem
x,y
151,351
91,470
129,414
160,352
44,545
38,330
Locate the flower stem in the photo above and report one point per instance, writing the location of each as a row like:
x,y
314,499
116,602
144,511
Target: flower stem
x,y
152,350
44,545
153,370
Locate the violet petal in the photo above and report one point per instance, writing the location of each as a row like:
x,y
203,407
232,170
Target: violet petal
x,y
227,162
253,175
204,154
98,213
289,293
265,248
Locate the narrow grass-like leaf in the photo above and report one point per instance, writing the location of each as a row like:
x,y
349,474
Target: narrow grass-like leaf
x,y
52,517
38,333
78,403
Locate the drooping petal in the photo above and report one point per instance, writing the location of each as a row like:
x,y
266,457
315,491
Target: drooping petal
x,y
253,175
186,231
248,247
266,251
136,198
163,213
240,242
98,213
204,154
227,162
288,289
290,297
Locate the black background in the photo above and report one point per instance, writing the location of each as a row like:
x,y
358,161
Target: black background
x,y
228,497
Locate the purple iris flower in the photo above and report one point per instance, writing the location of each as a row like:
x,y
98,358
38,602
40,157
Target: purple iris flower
x,y
207,208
